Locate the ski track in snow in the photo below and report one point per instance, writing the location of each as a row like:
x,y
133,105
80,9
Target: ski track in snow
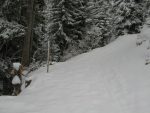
x,y
112,79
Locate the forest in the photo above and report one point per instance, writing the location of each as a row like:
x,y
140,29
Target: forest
x,y
74,56
72,27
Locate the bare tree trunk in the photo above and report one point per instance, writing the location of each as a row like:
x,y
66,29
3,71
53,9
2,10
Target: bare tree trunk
x,y
27,47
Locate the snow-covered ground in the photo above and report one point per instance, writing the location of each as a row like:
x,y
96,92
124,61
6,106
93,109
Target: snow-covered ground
x,y
112,79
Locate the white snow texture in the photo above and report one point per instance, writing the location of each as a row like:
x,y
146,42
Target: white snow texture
x,y
16,80
16,65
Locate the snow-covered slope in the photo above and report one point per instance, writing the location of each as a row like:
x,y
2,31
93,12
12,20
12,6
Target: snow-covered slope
x,y
112,79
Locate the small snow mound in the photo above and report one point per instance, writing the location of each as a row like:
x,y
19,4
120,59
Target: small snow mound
x,y
28,78
16,66
16,80
139,40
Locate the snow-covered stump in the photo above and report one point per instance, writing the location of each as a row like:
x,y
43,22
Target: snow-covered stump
x,y
18,80
139,40
16,85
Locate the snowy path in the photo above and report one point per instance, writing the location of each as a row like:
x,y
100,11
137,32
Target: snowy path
x,y
112,79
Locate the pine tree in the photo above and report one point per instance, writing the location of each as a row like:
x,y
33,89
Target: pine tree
x,y
146,5
13,23
11,30
68,23
101,21
129,17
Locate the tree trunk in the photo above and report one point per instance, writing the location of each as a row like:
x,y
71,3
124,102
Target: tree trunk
x,y
27,47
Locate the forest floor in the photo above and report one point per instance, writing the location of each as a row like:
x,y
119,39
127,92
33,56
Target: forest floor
x,y
112,79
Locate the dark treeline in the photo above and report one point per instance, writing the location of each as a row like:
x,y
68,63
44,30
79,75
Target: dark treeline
x,y
72,26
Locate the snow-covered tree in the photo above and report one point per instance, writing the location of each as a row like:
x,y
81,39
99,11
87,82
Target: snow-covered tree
x,y
13,23
11,30
68,23
100,18
146,5
129,17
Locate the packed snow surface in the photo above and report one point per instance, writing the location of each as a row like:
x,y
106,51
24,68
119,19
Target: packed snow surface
x,y
112,79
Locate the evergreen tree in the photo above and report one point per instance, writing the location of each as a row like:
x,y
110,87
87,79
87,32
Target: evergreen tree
x,y
101,21
13,23
68,23
72,26
129,17
146,6
11,30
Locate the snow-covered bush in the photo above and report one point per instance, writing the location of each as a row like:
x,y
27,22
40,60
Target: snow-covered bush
x,y
11,38
10,30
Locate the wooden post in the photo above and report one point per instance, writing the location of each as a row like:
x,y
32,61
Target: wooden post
x,y
48,56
